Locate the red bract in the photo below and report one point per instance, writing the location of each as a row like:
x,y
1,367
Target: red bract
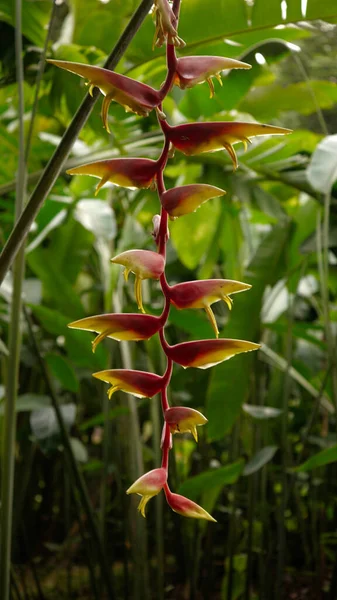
x,y
139,383
187,198
204,354
192,70
134,96
119,326
196,138
145,264
186,507
183,419
147,486
131,173
201,294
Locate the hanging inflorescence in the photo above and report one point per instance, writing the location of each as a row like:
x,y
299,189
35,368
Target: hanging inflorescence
x,y
137,173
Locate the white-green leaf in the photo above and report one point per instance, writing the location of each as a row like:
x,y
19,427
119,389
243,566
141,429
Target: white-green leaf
x,y
322,169
261,412
98,217
259,459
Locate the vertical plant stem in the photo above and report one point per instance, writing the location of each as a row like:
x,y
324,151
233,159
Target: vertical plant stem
x,y
284,449
76,476
141,580
14,345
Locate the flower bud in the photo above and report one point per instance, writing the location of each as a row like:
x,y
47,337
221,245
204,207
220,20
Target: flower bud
x,y
119,326
145,264
134,96
196,138
166,25
186,507
183,419
204,354
139,383
187,198
192,70
147,486
201,294
131,173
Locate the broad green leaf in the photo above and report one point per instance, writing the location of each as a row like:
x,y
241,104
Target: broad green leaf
x,y
266,102
98,217
261,412
63,371
227,475
35,16
258,461
325,457
230,382
77,345
28,402
322,169
56,288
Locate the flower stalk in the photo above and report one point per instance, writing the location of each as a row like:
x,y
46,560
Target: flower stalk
x,y
190,139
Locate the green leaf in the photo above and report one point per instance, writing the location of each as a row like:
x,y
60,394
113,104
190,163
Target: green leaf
x,y
28,402
56,287
266,102
195,486
78,348
261,412
325,457
322,169
98,217
35,15
192,234
261,458
79,450
63,371
230,382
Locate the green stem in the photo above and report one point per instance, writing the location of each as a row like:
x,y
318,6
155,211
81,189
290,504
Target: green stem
x,y
136,465
9,422
55,164
77,480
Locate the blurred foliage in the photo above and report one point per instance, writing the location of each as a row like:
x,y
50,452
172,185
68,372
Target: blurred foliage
x,y
266,462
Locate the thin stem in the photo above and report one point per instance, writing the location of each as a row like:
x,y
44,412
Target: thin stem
x,y
42,65
14,345
61,153
76,476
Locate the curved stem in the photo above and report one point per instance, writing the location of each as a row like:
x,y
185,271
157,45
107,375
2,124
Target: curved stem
x,y
53,168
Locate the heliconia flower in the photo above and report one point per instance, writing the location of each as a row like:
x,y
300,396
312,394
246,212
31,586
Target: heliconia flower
x,y
201,294
203,354
186,507
131,173
187,198
145,264
119,326
191,70
183,419
134,96
147,486
196,138
166,25
139,383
